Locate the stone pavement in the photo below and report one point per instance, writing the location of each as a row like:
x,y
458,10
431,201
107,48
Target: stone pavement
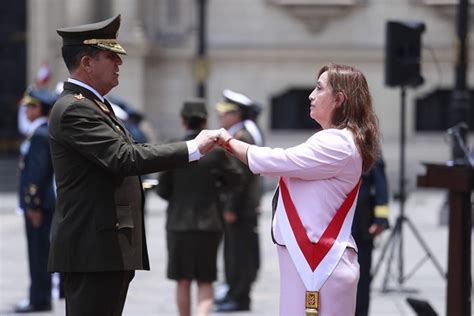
x,y
152,294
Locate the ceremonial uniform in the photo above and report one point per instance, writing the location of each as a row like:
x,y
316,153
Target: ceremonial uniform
x,y
98,232
241,245
36,193
194,215
241,241
319,176
372,208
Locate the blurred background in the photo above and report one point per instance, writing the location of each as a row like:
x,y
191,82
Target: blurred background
x,y
269,50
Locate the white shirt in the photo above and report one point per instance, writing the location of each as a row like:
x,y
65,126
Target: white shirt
x,y
319,174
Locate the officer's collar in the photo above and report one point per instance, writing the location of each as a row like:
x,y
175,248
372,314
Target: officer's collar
x,y
86,86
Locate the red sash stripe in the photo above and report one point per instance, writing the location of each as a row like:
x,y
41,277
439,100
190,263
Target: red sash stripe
x,y
315,252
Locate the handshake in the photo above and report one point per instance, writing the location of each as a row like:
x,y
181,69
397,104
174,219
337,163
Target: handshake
x,y
207,139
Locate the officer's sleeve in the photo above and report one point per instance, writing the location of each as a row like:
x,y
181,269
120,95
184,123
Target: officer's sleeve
x,y
87,130
38,172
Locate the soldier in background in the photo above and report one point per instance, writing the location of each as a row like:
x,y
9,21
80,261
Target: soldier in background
x,y
241,244
37,198
370,219
194,224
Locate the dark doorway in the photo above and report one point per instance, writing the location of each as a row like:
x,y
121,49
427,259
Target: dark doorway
x,y
13,70
290,110
433,110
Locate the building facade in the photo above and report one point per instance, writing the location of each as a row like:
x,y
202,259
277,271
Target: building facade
x,y
259,47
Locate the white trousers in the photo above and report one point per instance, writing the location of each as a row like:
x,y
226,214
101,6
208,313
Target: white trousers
x,y
337,296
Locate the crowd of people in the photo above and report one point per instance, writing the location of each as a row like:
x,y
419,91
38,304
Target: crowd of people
x,y
82,196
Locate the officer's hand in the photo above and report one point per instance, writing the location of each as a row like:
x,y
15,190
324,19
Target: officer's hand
x,y
35,216
206,140
376,229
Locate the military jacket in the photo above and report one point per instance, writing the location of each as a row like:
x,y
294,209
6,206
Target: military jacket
x,y
194,193
98,223
246,201
373,194
36,172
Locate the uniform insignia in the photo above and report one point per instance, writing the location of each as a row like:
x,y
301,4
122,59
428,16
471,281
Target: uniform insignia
x,y
119,129
79,96
33,189
102,106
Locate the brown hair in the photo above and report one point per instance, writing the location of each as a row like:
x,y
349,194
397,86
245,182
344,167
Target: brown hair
x,y
356,112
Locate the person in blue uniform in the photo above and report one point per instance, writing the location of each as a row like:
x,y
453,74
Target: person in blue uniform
x,y
370,219
37,198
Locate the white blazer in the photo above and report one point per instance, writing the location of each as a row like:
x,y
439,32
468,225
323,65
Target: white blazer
x,y
319,174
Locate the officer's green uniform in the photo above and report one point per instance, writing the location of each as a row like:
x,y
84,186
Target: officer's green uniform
x,y
98,232
194,222
241,242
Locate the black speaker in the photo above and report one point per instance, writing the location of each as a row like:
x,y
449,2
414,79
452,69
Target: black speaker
x,y
403,53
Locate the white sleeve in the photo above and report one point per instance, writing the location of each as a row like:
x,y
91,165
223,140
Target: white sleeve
x,y
193,150
322,156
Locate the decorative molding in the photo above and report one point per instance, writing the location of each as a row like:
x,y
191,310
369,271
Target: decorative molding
x,y
315,14
446,8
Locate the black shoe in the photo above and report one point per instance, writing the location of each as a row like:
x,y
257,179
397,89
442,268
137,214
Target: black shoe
x,y
232,306
29,308
222,300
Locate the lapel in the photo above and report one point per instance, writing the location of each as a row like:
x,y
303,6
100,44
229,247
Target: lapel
x,y
105,107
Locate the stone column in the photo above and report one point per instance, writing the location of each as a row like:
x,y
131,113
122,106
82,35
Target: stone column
x,y
132,37
79,12
43,17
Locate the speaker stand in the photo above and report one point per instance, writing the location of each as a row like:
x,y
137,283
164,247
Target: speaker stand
x,y
396,235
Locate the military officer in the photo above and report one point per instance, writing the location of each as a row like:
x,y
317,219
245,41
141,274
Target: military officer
x,y
370,219
98,231
241,244
37,198
194,215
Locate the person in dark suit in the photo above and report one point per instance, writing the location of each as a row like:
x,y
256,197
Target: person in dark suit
x,y
98,231
194,223
370,219
37,198
241,244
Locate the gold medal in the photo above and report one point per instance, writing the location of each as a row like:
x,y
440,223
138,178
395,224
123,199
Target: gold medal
x,y
312,303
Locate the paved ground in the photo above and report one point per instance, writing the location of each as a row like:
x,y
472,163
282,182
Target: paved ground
x,y
152,294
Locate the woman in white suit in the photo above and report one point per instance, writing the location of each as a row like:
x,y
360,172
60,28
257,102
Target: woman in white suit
x,y
315,202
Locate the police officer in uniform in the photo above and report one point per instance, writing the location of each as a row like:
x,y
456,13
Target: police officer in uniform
x,y
241,244
37,198
370,219
98,231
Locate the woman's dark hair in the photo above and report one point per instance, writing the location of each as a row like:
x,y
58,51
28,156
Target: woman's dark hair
x,y
72,54
356,112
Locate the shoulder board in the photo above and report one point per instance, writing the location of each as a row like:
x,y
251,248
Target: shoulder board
x,y
79,97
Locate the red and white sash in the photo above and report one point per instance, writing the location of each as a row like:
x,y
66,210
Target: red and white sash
x,y
315,261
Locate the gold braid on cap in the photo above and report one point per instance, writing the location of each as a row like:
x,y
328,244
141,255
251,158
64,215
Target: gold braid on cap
x,y
110,44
